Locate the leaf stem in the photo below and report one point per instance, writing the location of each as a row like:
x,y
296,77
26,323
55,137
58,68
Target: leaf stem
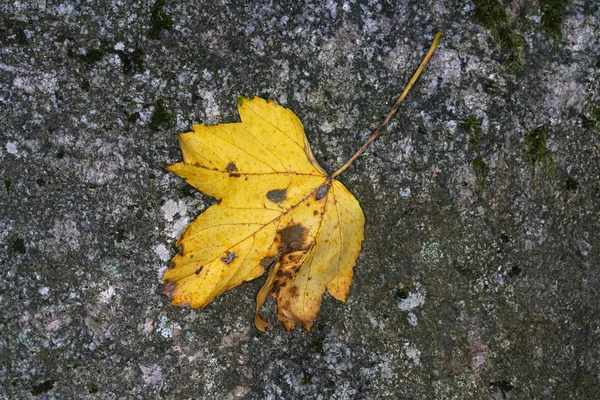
x,y
436,41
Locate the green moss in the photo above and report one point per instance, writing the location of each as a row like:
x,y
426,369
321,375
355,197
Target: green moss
x,y
402,294
552,17
595,114
535,150
492,15
481,170
506,38
472,126
307,379
7,183
160,118
514,62
159,20
40,181
593,121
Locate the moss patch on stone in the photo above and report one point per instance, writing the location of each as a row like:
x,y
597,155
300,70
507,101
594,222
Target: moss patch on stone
x,y
535,150
472,126
481,170
552,18
492,15
159,20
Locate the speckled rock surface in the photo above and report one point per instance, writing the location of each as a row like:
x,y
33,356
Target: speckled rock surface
x,y
479,275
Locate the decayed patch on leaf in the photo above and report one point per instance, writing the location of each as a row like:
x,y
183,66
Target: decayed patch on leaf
x,y
278,210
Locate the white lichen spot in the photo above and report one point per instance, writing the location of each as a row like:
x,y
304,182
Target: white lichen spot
x,y
326,126
413,300
412,353
405,192
120,46
172,208
11,148
44,291
166,328
178,226
431,252
207,75
211,113
106,296
161,273
162,252
412,319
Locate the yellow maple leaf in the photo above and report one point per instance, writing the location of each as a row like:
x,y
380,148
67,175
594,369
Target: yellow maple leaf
x,y
277,209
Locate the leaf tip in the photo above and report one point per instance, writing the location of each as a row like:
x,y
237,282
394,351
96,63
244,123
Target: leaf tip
x,y
260,322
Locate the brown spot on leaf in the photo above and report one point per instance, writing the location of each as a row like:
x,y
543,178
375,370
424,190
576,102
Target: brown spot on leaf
x,y
277,195
315,212
198,271
292,238
294,291
322,191
232,169
229,257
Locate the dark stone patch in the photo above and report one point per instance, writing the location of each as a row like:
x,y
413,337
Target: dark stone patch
x,y
504,386
515,271
19,246
43,387
92,56
277,195
571,183
160,118
132,63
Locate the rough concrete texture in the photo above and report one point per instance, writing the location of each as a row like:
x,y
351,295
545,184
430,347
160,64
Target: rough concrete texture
x,y
479,274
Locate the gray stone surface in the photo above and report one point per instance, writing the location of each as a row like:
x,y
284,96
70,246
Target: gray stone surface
x,y
479,275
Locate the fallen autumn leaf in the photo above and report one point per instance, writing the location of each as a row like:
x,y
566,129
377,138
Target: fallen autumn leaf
x,y
277,209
